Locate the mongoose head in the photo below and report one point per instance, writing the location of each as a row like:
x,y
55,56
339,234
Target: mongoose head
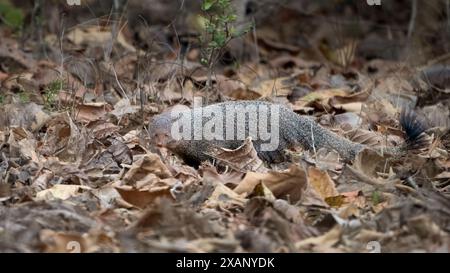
x,y
160,131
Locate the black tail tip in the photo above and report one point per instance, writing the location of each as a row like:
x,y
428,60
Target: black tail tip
x,y
414,128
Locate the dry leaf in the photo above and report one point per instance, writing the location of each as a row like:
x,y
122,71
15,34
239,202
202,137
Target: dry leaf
x,y
224,197
321,182
142,198
149,166
280,87
60,192
243,158
321,97
284,184
88,112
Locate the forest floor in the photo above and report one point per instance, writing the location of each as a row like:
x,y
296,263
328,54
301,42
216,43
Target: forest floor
x,y
78,173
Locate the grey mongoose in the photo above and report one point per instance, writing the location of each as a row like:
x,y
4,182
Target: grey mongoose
x,y
294,130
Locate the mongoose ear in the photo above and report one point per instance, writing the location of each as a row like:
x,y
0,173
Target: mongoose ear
x,y
415,129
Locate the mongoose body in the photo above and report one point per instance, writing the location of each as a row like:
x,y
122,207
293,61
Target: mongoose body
x,y
267,123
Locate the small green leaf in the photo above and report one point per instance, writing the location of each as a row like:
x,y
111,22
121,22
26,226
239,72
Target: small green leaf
x,y
207,4
11,15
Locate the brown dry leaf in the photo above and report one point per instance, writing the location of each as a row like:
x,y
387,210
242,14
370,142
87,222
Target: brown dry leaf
x,y
352,102
22,143
141,198
186,173
335,201
89,112
262,191
369,138
290,61
284,184
351,98
30,116
277,45
93,35
225,198
291,212
41,182
321,182
229,178
14,59
148,164
370,162
120,152
354,107
352,179
243,158
64,139
228,86
102,129
321,97
61,191
3,76
397,90
347,120
123,107
279,87
2,137
323,243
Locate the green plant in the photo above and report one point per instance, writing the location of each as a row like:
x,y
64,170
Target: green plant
x,y
219,17
51,93
24,97
11,16
2,99
376,198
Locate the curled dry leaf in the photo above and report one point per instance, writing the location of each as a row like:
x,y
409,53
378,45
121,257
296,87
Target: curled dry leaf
x,y
124,107
186,174
323,243
321,182
365,137
225,198
289,184
228,178
60,192
243,158
146,169
93,111
369,162
230,87
102,129
141,198
262,191
64,139
120,152
41,182
13,58
320,97
22,144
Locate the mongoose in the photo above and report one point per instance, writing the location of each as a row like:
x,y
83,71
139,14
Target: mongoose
x,y
292,130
